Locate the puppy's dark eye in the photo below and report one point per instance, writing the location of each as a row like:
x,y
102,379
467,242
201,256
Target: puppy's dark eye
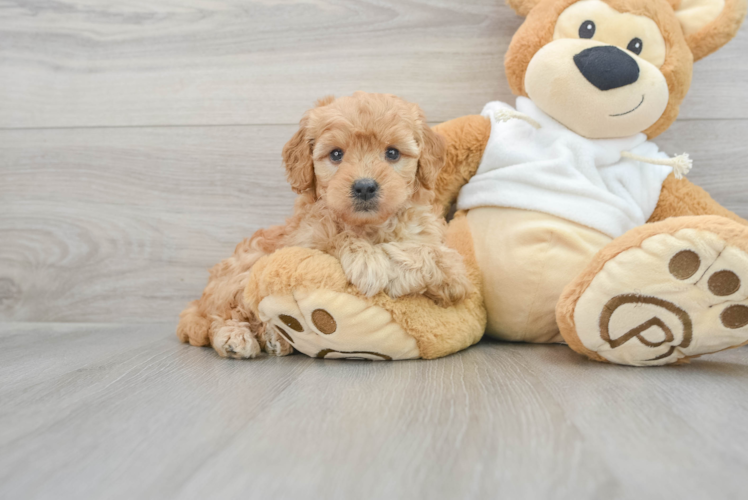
x,y
587,29
392,154
336,156
636,46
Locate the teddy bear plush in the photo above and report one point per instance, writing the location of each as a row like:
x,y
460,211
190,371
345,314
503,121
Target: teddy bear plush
x,y
584,231
574,224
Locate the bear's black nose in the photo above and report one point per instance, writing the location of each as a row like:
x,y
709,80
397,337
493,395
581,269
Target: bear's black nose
x,y
365,189
607,67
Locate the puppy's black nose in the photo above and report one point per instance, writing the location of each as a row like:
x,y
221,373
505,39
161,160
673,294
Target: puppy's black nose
x,y
365,189
607,67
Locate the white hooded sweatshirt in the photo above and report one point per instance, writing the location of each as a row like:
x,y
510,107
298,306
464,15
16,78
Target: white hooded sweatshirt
x,y
556,171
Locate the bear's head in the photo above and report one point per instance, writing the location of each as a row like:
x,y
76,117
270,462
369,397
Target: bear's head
x,y
614,68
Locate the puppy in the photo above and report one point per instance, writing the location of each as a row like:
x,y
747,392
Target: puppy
x,y
364,167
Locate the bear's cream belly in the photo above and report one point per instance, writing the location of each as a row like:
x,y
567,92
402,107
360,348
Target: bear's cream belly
x,y
526,259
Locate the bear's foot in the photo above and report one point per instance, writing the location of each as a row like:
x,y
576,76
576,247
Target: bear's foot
x,y
304,297
332,325
661,294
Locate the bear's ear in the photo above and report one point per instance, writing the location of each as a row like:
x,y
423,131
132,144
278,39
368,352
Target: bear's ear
x,y
710,24
522,7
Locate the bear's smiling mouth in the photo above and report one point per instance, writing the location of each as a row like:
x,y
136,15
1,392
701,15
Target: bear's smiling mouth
x,y
629,112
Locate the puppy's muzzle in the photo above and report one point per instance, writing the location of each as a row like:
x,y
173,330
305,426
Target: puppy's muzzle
x,y
365,194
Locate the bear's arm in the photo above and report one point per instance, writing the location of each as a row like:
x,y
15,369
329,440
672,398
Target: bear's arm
x,y
681,197
466,138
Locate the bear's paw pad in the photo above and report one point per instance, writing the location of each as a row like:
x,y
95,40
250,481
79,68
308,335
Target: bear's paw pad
x,y
676,296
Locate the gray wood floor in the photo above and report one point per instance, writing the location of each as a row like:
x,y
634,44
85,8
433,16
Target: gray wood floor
x,y
115,411
140,141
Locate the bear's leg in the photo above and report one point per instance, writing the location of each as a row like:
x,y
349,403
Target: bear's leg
x,y
680,197
527,258
304,296
662,293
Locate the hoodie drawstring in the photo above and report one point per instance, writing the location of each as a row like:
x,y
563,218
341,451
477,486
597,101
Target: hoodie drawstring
x,y
681,164
504,115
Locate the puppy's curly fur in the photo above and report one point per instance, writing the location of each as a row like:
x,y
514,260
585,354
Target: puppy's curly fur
x,y
392,242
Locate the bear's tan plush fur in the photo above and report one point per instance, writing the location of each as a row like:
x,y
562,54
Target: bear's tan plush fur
x,y
690,29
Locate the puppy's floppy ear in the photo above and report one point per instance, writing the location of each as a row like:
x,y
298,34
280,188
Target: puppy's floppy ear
x,y
710,24
297,156
433,150
522,7
297,153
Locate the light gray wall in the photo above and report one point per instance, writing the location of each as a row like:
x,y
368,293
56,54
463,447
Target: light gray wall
x,y
140,141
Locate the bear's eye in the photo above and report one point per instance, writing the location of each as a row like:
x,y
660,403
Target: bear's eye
x,y
336,156
587,29
636,46
392,154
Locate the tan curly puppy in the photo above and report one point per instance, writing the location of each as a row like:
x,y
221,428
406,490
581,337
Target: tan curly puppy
x,y
364,167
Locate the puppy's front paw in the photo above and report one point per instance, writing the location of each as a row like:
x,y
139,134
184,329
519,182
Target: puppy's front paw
x,y
452,292
369,284
369,275
235,340
275,345
406,282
